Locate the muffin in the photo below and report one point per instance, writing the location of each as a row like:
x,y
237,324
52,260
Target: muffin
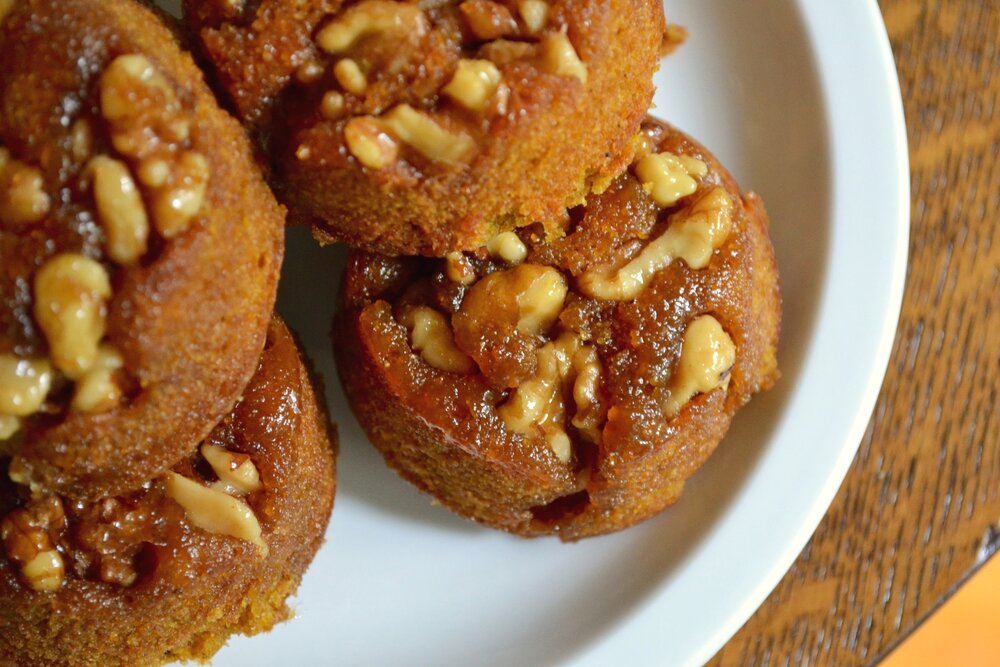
x,y
424,128
139,248
168,571
571,387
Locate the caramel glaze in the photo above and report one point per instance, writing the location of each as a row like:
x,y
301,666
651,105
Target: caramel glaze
x,y
442,431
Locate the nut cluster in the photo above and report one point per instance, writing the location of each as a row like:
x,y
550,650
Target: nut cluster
x,y
103,540
553,378
565,367
367,43
151,129
153,182
30,537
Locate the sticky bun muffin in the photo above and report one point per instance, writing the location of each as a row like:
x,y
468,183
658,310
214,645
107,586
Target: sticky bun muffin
x,y
421,128
210,548
571,387
139,248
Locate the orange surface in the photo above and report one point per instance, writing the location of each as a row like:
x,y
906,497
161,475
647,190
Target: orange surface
x,y
965,631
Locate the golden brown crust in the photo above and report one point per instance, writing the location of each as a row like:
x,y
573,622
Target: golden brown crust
x,y
189,319
195,588
535,153
443,431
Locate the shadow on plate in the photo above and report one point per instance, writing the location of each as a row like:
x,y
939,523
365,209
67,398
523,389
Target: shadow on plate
x,y
307,298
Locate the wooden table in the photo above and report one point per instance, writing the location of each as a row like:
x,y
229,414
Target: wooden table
x,y
919,510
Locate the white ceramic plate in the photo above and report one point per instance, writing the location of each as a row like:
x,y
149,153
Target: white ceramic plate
x,y
800,100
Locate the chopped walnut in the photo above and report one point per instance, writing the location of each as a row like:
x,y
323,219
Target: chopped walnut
x,y
508,247
369,143
487,20
310,71
474,84
458,268
215,511
81,138
370,17
668,178
332,105
540,296
142,107
237,473
538,405
693,234
350,76
23,199
707,357
9,426
432,337
178,202
120,209
150,126
30,535
427,136
526,299
70,295
24,384
96,390
534,13
561,58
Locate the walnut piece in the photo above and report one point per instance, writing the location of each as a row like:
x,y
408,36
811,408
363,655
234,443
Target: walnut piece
x,y
23,199
96,390
179,201
428,137
432,337
487,20
668,178
350,76
534,13
693,234
559,57
70,295
508,247
371,17
540,293
237,473
474,84
29,535
538,405
150,127
9,426
369,143
215,511
24,384
120,209
707,357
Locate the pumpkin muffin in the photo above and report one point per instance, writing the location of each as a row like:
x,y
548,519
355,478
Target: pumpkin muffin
x,y
170,570
423,128
139,248
571,387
